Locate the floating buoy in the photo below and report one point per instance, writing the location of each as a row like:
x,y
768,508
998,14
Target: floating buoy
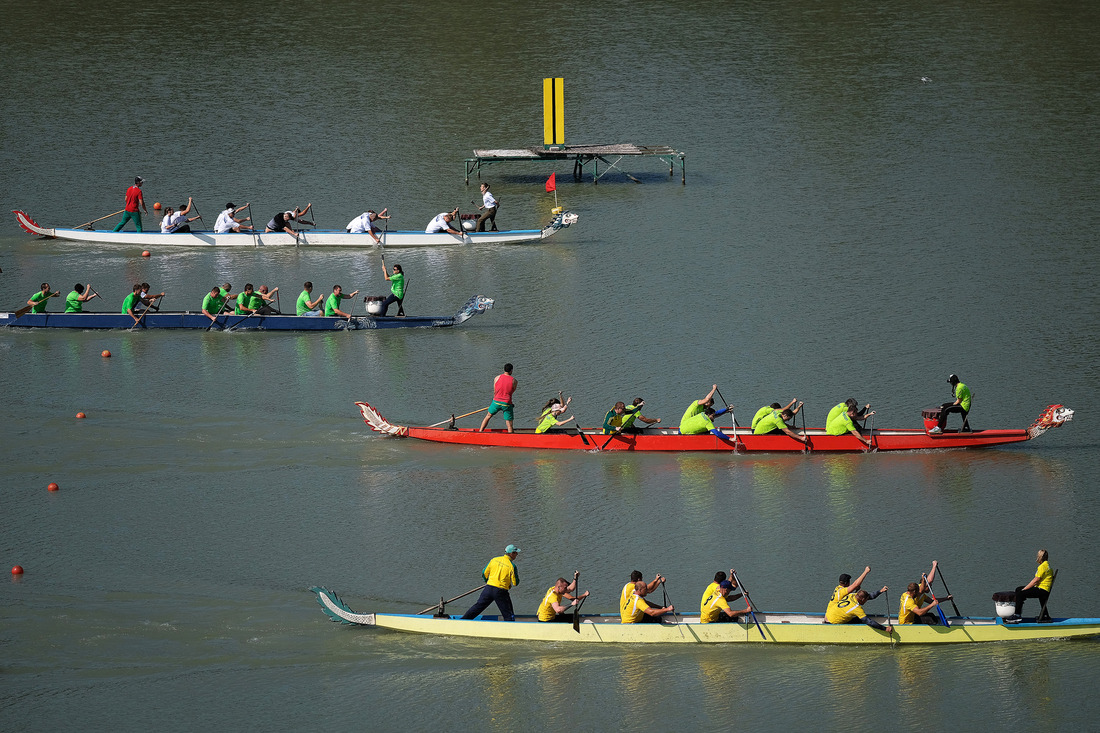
x,y
80,416
17,570
145,253
105,353
52,487
157,206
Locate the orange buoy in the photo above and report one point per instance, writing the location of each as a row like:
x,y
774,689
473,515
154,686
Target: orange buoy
x,y
105,353
157,206
17,570
52,487
80,416
145,253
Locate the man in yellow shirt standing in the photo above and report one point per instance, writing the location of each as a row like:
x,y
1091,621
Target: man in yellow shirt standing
x,y
551,608
500,575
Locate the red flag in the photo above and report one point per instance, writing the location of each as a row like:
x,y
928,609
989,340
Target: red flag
x,y
552,183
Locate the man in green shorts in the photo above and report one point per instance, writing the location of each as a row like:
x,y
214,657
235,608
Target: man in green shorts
x,y
37,302
74,302
503,388
307,307
960,405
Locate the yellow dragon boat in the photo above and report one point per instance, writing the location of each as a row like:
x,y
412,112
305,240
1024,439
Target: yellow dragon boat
x,y
772,628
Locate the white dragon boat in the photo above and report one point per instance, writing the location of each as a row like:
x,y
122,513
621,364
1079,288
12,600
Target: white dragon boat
x,y
304,238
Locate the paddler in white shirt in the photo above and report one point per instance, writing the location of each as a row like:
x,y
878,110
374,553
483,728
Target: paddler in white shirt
x,y
228,221
364,223
178,222
441,224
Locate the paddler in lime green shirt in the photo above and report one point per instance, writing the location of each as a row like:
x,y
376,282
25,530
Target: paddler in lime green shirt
x,y
332,305
548,418
244,301
776,408
961,405
307,307
844,422
37,302
74,303
633,412
132,301
698,417
776,423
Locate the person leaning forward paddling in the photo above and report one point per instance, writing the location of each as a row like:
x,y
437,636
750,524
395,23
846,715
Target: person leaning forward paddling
x,y
37,302
552,609
846,604
504,386
715,607
635,610
635,576
132,301
281,221
213,303
699,417
910,611
845,422
500,575
228,221
332,305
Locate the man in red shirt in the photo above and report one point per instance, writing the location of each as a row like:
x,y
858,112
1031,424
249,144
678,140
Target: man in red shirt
x,y
134,199
503,387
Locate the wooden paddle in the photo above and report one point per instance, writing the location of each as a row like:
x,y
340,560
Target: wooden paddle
x,y
436,425
93,221
943,618
442,603
27,308
752,611
668,602
940,571
139,320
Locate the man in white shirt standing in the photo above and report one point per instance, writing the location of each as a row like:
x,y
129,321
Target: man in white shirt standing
x,y
228,221
488,209
441,224
364,223
177,223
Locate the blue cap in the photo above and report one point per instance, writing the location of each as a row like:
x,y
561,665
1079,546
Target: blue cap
x,y
510,549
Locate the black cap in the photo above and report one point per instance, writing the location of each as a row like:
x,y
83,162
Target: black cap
x,y
229,205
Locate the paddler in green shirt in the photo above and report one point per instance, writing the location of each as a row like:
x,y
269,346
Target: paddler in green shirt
x,y
776,408
213,303
960,405
699,417
37,302
244,305
776,424
332,305
132,301
397,290
74,302
307,307
844,422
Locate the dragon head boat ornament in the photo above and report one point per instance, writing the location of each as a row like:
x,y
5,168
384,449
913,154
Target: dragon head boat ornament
x,y
1052,417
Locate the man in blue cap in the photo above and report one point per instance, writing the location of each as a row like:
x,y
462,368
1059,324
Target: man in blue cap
x,y
500,575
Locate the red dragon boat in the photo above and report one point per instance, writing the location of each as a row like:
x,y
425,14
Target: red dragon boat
x,y
740,439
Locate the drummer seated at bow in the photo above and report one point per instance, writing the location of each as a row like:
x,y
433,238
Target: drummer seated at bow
x,y
715,607
775,407
551,411
699,417
552,609
916,607
775,423
844,422
634,610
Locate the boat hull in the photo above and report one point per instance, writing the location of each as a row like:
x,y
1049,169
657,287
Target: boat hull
x,y
305,238
669,440
778,628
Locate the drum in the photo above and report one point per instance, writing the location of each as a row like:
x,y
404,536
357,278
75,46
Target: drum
x,y
374,304
1005,603
931,416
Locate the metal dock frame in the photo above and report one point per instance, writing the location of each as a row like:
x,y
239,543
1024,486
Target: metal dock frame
x,y
581,155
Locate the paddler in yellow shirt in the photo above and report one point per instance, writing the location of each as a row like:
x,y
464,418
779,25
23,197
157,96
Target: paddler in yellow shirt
x,y
1039,587
846,604
500,575
715,607
552,609
911,611
699,416
634,609
551,411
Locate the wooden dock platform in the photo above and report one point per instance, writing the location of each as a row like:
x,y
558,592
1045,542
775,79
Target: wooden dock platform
x,y
581,155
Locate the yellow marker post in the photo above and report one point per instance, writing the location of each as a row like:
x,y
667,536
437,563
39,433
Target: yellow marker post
x,y
553,111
